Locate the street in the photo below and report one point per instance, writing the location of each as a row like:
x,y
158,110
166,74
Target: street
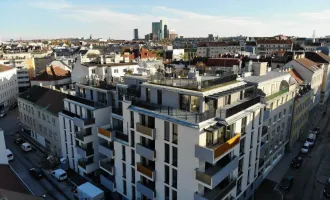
x,y
23,161
310,178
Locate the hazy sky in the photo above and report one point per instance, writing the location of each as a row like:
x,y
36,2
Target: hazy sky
x,y
30,19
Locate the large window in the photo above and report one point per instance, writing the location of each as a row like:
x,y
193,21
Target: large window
x,y
189,103
166,131
148,94
159,97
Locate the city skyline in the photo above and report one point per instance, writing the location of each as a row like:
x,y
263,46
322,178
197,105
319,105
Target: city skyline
x,y
104,19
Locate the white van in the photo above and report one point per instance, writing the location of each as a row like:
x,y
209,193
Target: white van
x,y
10,155
26,146
59,174
311,139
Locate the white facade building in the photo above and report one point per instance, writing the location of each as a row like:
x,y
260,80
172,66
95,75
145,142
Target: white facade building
x,y
8,86
38,109
311,73
3,149
215,49
179,143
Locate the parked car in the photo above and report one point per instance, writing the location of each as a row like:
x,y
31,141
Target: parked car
x,y
317,130
296,162
286,183
311,139
26,146
19,141
326,190
305,148
36,172
13,106
10,155
59,174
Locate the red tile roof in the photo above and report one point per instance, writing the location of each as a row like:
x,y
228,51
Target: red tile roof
x,y
308,64
5,68
52,73
296,76
224,62
274,42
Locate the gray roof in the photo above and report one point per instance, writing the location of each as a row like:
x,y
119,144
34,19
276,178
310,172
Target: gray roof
x,y
269,76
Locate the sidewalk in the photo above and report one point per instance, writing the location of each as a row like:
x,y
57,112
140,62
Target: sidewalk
x,y
284,164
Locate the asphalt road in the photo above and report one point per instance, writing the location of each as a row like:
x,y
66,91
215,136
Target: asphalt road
x,y
315,166
24,161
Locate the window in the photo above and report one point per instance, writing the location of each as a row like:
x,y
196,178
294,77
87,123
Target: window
x,y
43,116
124,170
167,153
132,119
148,94
123,151
132,139
253,116
275,117
166,131
167,174
159,97
174,178
93,71
174,195
244,120
174,156
279,115
133,192
133,175
167,193
175,133
125,189
39,114
132,157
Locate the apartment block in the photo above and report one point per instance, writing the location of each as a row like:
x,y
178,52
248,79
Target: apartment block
x,y
216,49
38,109
8,86
192,140
272,47
278,89
79,119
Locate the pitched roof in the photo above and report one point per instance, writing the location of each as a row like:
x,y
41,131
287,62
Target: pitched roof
x,y
274,42
318,57
296,76
5,68
52,73
308,64
223,62
50,100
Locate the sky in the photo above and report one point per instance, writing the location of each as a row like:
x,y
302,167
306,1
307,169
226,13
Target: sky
x,y
47,19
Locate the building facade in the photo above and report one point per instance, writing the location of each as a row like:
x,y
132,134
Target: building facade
x,y
38,109
8,86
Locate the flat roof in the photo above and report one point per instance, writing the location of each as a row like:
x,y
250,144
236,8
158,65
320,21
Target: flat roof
x,y
268,76
108,65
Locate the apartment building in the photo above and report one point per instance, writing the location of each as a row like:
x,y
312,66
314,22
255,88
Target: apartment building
x,y
24,62
79,119
278,89
216,49
38,109
311,73
193,140
8,86
271,47
102,71
321,58
300,113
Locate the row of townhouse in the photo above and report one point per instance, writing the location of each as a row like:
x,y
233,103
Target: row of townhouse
x,y
207,137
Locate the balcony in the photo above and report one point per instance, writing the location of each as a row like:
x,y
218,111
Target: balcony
x,y
212,154
85,152
214,175
106,132
117,111
108,166
219,192
84,137
109,182
148,171
121,137
146,131
230,110
147,190
147,152
88,166
82,123
106,149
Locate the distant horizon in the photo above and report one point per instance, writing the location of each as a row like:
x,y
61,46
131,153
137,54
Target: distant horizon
x,y
45,19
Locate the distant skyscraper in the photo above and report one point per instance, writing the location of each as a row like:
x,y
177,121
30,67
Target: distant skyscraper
x,y
166,32
136,34
158,29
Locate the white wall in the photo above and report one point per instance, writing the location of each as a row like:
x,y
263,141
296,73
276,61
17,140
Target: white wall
x,y
51,83
3,151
